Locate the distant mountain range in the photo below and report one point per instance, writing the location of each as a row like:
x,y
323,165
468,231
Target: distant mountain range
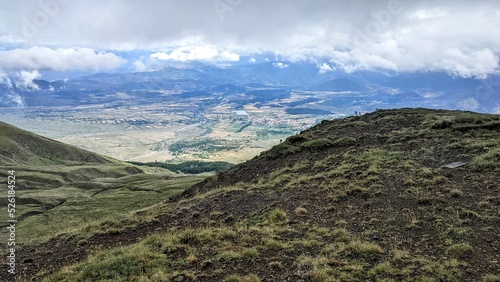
x,y
429,89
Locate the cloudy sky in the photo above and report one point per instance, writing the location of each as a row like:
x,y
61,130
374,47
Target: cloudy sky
x,y
461,37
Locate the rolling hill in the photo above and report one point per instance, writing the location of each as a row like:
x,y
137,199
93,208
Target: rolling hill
x,y
61,188
394,195
22,147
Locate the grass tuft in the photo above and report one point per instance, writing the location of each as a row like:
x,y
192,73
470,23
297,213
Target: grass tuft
x,y
277,216
491,278
458,250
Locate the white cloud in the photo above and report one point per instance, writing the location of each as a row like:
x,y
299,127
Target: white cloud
x,y
139,66
196,53
4,78
26,78
228,56
461,37
430,14
252,60
61,59
478,63
394,56
16,99
470,104
10,96
324,68
280,65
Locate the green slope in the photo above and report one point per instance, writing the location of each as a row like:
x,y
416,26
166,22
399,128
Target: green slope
x,y
63,189
22,147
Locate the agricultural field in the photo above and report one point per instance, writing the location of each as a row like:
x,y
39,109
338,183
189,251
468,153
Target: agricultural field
x,y
168,131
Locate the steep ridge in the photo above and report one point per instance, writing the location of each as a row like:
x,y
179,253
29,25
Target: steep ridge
x,y
395,195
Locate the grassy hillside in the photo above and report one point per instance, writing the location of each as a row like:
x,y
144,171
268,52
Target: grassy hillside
x,y
61,189
365,198
22,147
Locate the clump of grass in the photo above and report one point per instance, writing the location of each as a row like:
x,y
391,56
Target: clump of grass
x,y
457,233
341,223
279,177
191,258
341,170
341,235
193,237
424,172
354,189
483,204
275,264
237,278
108,226
228,256
456,193
488,161
439,179
458,250
272,244
443,123
277,216
320,274
377,188
300,165
400,255
300,211
466,118
296,139
318,144
383,269
373,170
159,276
372,179
465,213
233,278
491,278
298,181
281,150
225,233
344,141
362,249
306,242
250,253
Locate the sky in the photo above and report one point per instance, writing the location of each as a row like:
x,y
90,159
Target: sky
x,y
460,37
